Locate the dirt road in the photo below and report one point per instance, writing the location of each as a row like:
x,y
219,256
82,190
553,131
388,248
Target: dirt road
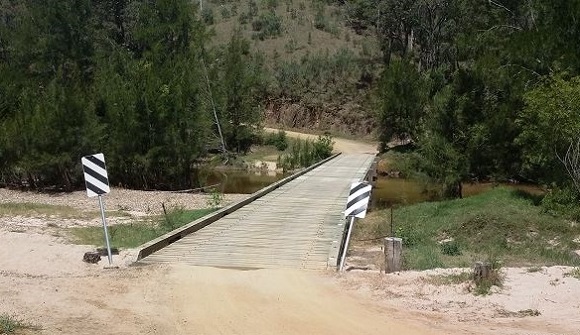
x,y
221,301
340,144
44,282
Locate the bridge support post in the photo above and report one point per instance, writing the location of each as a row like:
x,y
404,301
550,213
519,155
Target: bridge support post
x,y
393,248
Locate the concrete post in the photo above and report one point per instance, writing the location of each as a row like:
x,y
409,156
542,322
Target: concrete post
x,y
393,248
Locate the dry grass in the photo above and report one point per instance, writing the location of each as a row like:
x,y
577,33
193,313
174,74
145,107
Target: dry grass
x,y
11,325
29,209
574,273
299,35
262,153
519,314
449,279
35,209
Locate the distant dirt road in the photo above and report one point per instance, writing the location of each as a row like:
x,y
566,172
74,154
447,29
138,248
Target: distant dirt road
x,y
340,144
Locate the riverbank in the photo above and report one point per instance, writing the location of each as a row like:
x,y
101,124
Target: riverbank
x,y
502,224
532,300
535,254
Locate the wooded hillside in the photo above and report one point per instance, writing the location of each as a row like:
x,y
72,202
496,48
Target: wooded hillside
x,y
483,89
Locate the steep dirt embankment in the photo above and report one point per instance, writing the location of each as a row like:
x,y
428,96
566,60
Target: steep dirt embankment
x,y
347,118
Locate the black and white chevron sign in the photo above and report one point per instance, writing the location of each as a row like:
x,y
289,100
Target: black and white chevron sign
x,y
95,172
358,200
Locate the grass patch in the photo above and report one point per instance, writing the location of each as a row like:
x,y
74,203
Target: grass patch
x,y
499,224
494,278
451,279
476,286
131,235
30,209
262,153
574,273
10,324
304,153
34,209
519,314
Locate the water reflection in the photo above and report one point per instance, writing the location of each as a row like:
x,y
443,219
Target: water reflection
x,y
387,192
390,192
238,181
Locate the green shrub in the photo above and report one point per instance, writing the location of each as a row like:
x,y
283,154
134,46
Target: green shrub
x,y
495,278
10,324
243,18
562,201
320,21
279,140
304,153
323,147
451,248
267,25
216,199
293,14
226,14
207,15
408,234
291,46
252,9
270,4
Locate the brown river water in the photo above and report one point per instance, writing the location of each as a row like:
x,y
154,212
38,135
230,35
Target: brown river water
x,y
386,193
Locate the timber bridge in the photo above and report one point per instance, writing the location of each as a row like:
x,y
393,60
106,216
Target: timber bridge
x,y
295,223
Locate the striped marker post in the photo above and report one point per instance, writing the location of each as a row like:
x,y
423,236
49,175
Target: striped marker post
x,y
356,207
97,184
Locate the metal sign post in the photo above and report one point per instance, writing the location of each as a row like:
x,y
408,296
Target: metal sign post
x,y
356,207
343,258
106,231
97,183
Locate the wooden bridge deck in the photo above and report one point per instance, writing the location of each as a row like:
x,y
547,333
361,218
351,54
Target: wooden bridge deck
x,y
298,225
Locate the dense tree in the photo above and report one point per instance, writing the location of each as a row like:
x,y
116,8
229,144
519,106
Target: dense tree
x,y
485,63
402,98
118,76
242,83
484,89
550,122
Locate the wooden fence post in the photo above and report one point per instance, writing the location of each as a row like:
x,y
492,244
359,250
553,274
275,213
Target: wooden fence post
x,y
393,248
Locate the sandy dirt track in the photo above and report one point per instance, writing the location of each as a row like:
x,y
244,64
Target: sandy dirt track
x,y
43,281
340,144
